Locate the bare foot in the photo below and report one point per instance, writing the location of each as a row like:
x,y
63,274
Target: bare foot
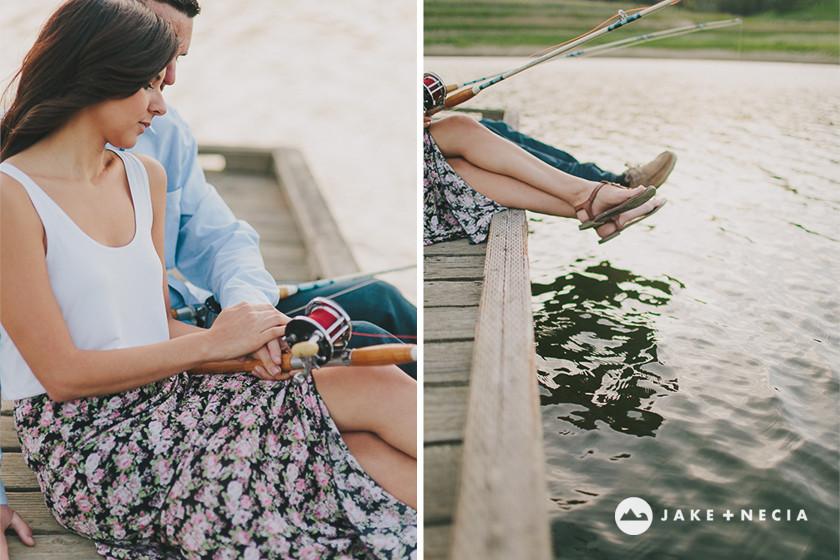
x,y
617,224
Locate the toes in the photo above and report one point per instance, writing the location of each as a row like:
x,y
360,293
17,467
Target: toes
x,y
614,196
608,228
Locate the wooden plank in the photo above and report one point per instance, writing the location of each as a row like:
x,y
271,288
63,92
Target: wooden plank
x,y
453,267
239,159
327,251
447,363
53,547
444,413
440,475
31,507
459,323
501,508
455,247
455,294
436,540
8,435
16,475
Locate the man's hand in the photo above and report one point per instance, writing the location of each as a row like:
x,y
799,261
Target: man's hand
x,y
10,518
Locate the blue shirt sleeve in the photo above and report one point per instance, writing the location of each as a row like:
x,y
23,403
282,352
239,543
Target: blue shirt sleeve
x,y
204,240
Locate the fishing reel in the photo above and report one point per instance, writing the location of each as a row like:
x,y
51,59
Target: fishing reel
x,y
434,92
315,338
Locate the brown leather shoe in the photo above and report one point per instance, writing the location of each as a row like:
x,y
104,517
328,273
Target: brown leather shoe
x,y
652,173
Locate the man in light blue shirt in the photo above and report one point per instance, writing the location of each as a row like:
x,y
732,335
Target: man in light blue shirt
x,y
220,254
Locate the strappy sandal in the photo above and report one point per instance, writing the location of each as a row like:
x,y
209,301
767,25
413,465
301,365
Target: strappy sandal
x,y
603,217
635,220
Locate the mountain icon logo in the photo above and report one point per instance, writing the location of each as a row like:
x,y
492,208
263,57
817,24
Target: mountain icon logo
x,y
633,516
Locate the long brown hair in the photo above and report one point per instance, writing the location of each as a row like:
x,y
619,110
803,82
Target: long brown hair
x,y
89,51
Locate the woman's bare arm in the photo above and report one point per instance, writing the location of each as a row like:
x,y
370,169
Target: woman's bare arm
x,y
31,316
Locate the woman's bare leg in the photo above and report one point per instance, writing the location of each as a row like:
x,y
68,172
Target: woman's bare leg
x,y
513,193
392,469
462,137
380,399
508,191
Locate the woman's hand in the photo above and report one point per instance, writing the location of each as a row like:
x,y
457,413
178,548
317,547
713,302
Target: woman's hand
x,y
271,357
244,328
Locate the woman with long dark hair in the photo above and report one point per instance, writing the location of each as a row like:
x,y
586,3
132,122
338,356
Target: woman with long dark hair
x,y
129,451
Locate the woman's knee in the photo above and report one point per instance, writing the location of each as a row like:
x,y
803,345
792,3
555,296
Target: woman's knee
x,y
460,124
451,133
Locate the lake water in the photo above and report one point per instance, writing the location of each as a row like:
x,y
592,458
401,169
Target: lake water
x,y
692,362
337,80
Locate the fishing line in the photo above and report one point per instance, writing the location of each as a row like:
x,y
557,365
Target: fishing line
x,y
355,287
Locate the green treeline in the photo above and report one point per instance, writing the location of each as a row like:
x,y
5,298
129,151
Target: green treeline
x,y
752,7
823,8
802,30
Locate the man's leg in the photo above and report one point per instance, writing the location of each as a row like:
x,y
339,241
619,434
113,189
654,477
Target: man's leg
x,y
553,156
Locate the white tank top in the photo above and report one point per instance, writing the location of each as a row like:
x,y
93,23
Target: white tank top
x,y
110,297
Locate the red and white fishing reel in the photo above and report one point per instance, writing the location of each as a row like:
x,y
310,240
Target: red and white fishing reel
x,y
317,339
434,91
319,335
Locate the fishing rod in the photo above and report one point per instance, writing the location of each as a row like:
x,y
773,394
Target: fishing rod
x,y
600,49
319,339
287,290
654,36
203,314
379,355
466,94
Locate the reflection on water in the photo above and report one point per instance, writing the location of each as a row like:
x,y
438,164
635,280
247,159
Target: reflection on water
x,y
596,339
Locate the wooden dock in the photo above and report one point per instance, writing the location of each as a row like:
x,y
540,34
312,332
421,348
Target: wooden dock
x,y
485,493
274,191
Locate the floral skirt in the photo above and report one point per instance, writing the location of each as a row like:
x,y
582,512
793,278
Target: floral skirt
x,y
210,467
451,208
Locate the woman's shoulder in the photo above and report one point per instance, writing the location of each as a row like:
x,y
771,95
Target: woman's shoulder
x,y
155,171
16,207
11,188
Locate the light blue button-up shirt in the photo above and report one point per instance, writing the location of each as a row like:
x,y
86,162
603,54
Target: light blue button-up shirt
x,y
203,240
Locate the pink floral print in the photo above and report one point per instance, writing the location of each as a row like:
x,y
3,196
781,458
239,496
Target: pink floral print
x,y
451,208
210,468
